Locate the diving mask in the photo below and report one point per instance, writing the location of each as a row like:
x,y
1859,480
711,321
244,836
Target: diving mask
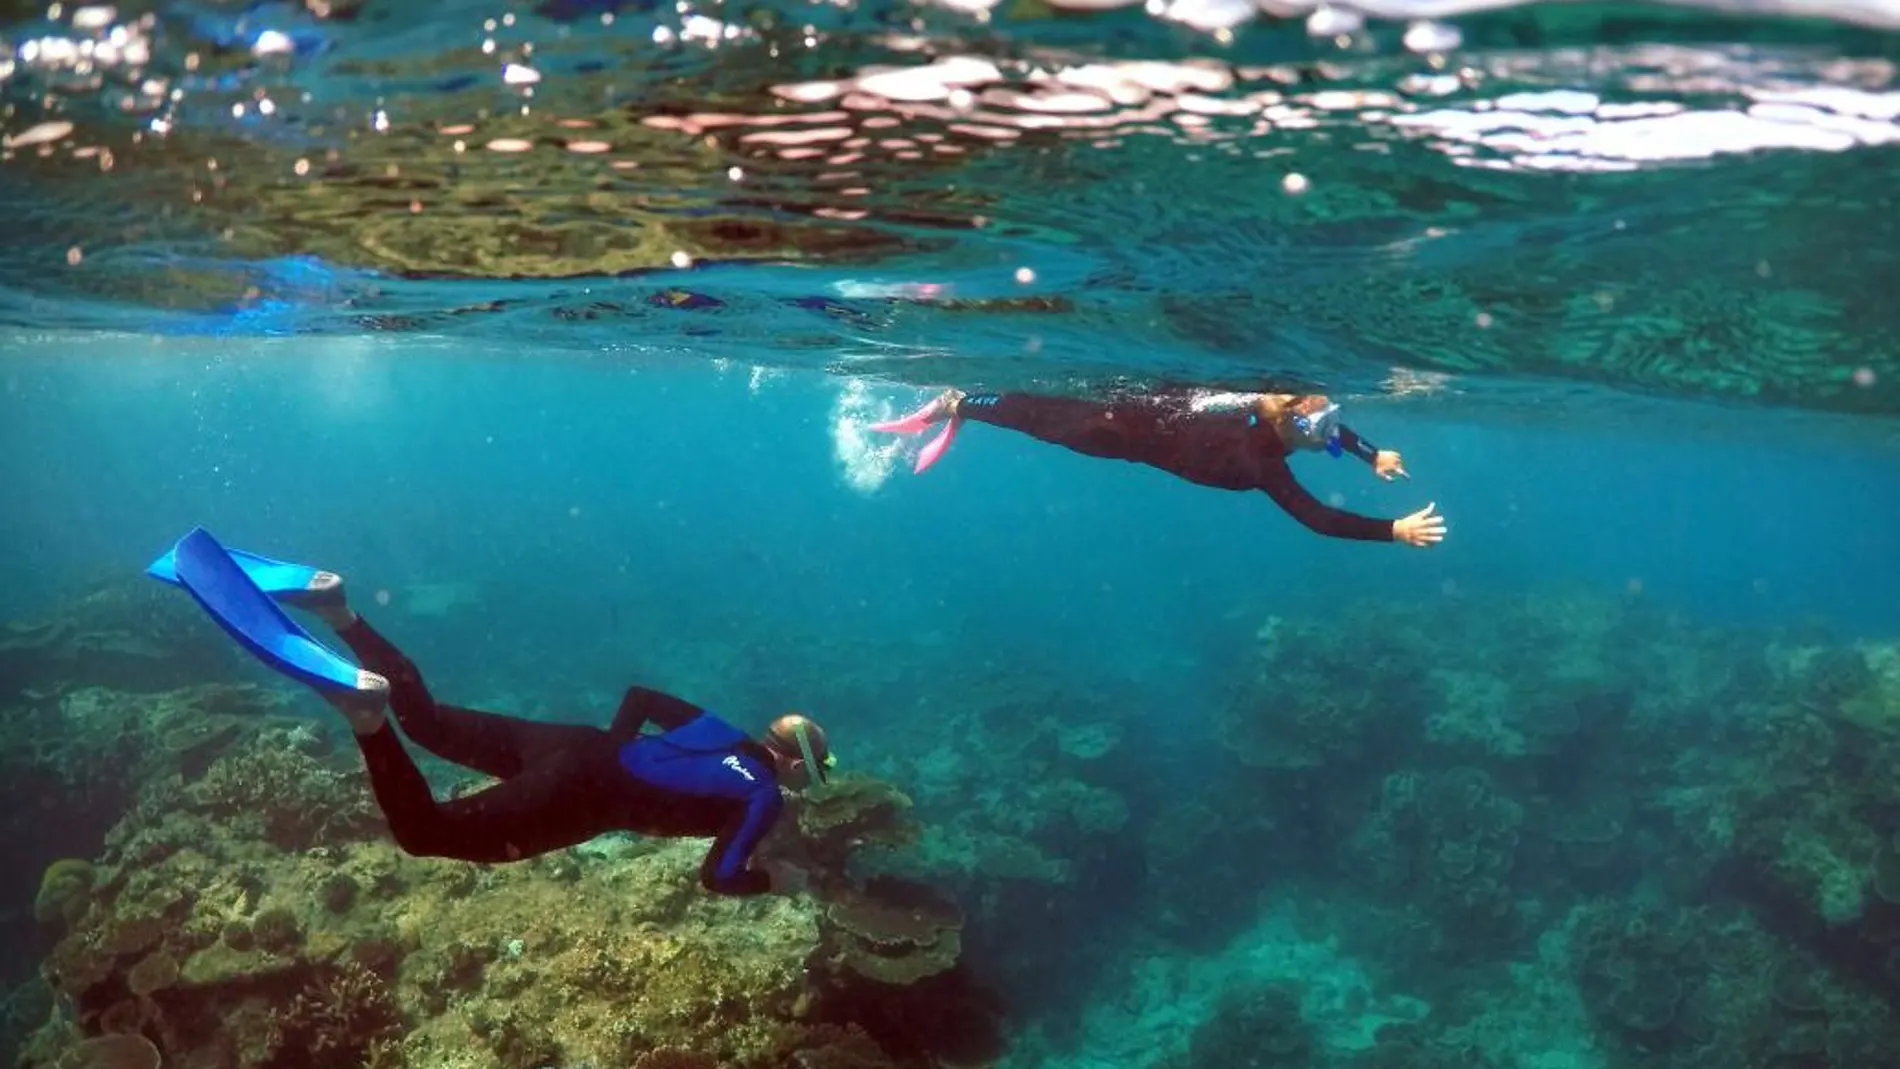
x,y
1320,429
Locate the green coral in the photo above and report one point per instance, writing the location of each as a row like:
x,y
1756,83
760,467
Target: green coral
x,y
65,890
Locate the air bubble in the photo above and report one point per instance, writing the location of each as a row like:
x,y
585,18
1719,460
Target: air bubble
x,y
1424,37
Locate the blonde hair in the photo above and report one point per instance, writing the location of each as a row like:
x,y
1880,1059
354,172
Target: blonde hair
x,y
1276,407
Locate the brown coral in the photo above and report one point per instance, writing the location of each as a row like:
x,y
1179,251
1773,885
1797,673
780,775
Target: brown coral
x,y
896,931
152,975
134,933
111,1052
832,1047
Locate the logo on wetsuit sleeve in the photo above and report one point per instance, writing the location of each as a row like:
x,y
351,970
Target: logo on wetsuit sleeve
x,y
732,762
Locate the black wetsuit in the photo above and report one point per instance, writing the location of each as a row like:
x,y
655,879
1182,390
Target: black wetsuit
x,y
564,784
1232,449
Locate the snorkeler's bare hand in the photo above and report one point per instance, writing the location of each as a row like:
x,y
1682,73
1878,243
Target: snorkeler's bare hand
x,y
1422,528
1387,465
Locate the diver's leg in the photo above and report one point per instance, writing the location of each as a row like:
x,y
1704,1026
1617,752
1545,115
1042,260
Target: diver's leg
x,y
487,742
1093,428
1088,427
556,802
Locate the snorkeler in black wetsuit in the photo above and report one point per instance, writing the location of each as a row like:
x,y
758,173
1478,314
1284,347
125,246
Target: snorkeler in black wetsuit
x,y
563,784
1229,441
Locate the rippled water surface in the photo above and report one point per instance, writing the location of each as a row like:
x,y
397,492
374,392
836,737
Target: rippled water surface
x,y
1659,199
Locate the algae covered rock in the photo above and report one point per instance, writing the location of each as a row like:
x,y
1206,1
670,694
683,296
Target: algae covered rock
x,y
65,890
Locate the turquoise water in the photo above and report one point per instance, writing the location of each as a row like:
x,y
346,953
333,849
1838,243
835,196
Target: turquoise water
x,y
557,328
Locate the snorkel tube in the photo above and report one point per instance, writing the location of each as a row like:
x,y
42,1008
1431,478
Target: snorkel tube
x,y
818,768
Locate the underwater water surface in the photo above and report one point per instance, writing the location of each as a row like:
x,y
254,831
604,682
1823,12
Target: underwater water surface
x,y
558,329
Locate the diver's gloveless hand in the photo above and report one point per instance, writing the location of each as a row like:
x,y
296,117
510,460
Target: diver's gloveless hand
x,y
1421,528
1386,464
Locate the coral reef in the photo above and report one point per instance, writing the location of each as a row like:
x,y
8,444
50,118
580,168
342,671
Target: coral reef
x,y
1558,831
1578,830
258,916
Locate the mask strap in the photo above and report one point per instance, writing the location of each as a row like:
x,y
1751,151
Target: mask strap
x,y
804,747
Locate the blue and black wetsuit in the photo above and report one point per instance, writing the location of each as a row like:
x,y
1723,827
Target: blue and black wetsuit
x,y
563,784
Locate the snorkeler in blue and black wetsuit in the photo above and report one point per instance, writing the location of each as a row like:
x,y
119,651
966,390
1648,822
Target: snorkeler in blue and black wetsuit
x,y
561,784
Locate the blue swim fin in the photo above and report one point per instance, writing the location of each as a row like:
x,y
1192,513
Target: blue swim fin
x,y
226,590
273,577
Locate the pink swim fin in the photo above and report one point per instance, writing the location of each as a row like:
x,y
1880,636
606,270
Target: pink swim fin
x,y
916,423
938,446
920,421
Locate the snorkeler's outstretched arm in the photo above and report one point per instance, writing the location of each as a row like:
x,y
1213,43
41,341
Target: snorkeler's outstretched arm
x,y
1422,528
1277,479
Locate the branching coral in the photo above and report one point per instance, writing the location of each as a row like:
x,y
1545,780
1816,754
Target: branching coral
x,y
334,1021
299,801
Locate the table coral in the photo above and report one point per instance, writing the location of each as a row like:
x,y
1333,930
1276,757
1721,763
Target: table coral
x,y
838,818
894,931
